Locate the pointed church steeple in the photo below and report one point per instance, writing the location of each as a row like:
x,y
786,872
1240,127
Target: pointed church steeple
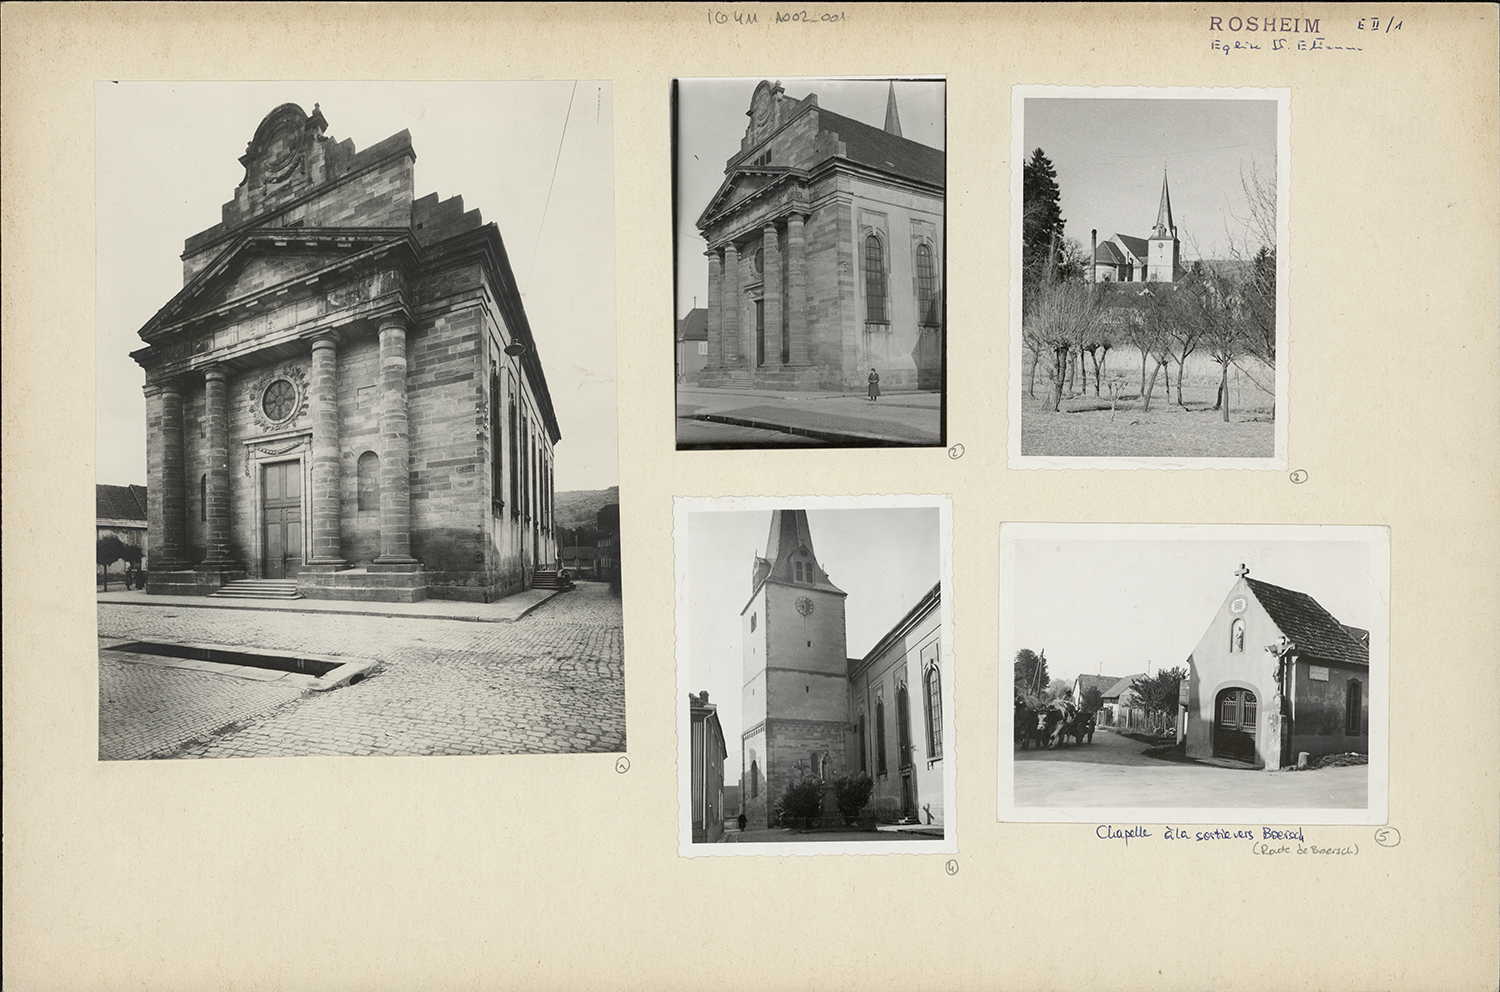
x,y
1164,226
892,118
789,554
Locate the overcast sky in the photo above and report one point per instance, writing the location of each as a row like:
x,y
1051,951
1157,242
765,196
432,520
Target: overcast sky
x,y
1110,153
711,120
167,157
886,559
1119,604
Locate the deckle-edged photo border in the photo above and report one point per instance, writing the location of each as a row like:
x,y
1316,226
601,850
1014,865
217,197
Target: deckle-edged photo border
x,y
1376,539
1019,152
686,506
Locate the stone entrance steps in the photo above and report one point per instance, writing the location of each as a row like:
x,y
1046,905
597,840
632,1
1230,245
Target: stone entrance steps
x,y
259,589
547,578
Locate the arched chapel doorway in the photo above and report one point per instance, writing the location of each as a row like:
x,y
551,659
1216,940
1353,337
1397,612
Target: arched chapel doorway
x,y
1234,726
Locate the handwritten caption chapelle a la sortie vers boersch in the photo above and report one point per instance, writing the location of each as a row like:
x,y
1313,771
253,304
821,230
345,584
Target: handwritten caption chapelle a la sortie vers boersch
x,y
1263,840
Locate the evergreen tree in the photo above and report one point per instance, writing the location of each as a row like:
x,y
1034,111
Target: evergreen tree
x,y
1042,220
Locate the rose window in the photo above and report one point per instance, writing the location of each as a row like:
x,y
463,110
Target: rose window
x,y
279,400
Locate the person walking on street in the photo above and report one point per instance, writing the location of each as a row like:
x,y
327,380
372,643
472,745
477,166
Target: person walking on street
x,y
874,385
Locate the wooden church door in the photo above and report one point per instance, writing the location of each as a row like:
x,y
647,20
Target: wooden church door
x,y
281,515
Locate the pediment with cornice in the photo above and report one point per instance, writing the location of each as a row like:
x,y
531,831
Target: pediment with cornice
x,y
748,193
265,270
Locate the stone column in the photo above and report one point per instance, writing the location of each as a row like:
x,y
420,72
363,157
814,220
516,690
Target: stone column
x,y
771,292
729,303
166,484
327,470
395,451
715,305
796,277
747,313
216,509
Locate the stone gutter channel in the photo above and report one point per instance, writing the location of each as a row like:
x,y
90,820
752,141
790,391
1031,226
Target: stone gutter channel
x,y
316,672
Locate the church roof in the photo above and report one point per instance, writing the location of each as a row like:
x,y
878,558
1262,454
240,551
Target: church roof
x,y
120,503
1137,246
1108,254
1311,628
887,152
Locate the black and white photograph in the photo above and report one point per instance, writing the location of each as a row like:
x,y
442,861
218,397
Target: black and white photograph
x,y
810,260
1194,673
848,596
357,483
1147,328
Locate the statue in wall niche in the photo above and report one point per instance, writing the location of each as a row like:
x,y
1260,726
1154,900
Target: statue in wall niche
x,y
823,766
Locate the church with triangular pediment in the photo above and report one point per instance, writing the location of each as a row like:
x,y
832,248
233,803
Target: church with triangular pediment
x,y
825,252
345,400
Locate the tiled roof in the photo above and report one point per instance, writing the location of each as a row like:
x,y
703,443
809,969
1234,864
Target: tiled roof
x,y
1122,686
693,327
887,152
1101,682
1311,628
1137,246
1108,254
120,503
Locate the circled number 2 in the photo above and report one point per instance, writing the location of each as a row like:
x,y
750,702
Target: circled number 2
x,y
1298,477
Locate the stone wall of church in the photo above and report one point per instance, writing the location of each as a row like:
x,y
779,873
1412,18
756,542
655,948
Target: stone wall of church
x,y
449,500
791,741
829,234
359,434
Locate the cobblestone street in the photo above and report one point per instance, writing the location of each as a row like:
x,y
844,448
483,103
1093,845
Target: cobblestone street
x,y
550,682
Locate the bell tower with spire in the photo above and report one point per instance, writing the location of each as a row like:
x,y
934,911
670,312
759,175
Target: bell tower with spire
x,y
1164,258
796,689
892,118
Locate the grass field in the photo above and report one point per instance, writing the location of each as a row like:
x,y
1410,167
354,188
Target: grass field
x,y
1099,426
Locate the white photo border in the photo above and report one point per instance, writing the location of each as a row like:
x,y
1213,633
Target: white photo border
x,y
683,506
1377,538
1019,94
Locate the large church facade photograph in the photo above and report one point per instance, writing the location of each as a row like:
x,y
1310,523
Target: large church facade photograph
x,y
346,394
825,252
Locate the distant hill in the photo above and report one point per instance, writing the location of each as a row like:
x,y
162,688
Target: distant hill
x,y
581,507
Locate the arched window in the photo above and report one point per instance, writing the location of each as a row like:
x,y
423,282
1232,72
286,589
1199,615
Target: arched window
x,y
1354,705
1237,636
799,571
875,311
934,713
864,746
754,778
203,497
903,727
515,481
497,445
752,623
926,286
880,736
368,471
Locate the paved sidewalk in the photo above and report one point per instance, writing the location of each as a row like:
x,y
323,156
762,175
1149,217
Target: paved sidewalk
x,y
509,609
897,418
549,682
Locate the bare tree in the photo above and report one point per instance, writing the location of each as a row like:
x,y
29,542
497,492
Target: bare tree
x,y
1061,315
1252,244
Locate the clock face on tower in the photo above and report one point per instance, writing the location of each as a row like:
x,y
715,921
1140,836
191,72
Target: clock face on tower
x,y
804,605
